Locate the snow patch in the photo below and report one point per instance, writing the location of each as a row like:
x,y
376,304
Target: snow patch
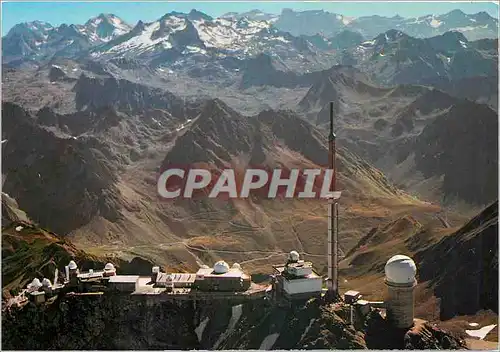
x,y
200,328
269,341
347,20
175,23
235,317
465,29
369,42
311,322
481,333
282,39
435,23
194,49
142,42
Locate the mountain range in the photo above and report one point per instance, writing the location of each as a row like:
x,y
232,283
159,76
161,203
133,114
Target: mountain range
x,y
92,113
175,35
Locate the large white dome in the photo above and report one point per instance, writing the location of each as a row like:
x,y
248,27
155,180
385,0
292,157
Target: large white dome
x,y
400,269
221,267
294,256
35,284
72,265
109,267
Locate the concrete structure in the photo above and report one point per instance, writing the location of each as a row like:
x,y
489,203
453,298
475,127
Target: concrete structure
x,y
47,286
333,214
222,278
163,280
109,270
297,279
72,273
351,296
155,271
400,273
89,275
37,296
123,283
175,280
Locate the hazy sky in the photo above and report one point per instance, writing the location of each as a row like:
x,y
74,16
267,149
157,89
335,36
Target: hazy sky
x,y
57,13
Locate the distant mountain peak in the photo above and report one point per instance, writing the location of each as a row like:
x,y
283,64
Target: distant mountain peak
x,y
197,15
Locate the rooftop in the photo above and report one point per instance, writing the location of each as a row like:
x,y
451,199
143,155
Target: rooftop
x,y
90,275
281,270
124,279
232,273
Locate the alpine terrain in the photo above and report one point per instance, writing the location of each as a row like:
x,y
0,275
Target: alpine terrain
x,y
94,113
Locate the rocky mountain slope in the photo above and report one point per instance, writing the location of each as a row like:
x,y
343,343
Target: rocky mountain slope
x,y
475,26
127,151
38,39
70,181
198,38
471,254
405,131
441,255
394,57
28,251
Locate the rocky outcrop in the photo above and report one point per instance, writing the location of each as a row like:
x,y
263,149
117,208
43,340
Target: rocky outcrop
x,y
464,150
11,214
62,183
95,92
123,322
423,336
463,267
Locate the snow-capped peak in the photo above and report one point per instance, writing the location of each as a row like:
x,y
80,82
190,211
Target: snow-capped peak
x,y
103,28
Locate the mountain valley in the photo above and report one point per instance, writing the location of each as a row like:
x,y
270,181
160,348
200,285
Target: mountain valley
x,y
93,113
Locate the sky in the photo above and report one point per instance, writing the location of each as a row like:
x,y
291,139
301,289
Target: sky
x,y
57,13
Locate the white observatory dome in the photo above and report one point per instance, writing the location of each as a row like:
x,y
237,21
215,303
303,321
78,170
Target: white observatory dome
x,y
109,267
294,256
35,284
400,269
72,265
237,266
46,283
221,267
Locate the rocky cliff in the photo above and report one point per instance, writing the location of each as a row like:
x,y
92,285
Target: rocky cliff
x,y
121,322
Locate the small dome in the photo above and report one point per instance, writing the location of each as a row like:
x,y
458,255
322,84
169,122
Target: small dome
x,y
221,267
400,269
294,256
35,283
204,266
109,267
46,283
236,266
72,265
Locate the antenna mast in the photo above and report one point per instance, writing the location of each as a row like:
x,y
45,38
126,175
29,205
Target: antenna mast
x,y
332,215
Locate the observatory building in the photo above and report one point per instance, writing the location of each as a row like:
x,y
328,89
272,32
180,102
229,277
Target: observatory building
x,y
219,278
222,278
297,279
400,280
